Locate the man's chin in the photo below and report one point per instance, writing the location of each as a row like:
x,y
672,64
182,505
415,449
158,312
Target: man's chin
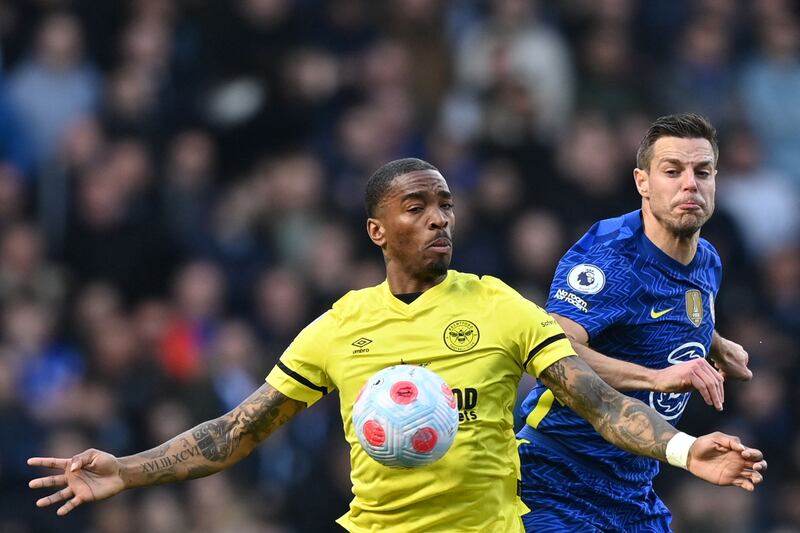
x,y
688,225
436,269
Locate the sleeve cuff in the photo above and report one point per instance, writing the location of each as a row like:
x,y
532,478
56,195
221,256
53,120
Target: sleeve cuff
x,y
287,383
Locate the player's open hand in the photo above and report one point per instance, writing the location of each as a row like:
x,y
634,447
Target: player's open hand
x,y
723,460
89,476
731,359
696,374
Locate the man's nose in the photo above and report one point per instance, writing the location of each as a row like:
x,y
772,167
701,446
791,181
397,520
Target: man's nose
x,y
439,220
689,180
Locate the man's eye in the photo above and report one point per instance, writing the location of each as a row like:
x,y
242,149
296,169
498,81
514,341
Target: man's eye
x,y
447,206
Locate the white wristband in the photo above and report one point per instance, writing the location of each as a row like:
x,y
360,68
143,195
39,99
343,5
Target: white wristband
x,y
678,449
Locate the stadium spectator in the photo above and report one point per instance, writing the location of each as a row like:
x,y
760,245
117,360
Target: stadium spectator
x,y
767,87
203,98
55,85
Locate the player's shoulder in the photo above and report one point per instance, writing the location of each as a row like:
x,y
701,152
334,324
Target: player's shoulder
x,y
609,244
484,284
471,286
498,291
709,254
614,232
356,302
476,286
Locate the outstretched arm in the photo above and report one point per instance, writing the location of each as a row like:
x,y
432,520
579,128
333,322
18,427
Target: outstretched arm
x,y
203,450
633,426
624,376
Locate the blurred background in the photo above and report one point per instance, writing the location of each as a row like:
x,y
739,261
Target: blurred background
x,y
181,188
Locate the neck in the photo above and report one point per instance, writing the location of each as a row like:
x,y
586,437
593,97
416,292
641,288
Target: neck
x,y
680,248
401,282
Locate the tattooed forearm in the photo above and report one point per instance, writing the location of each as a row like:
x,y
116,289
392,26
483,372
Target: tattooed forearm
x,y
213,445
621,420
167,461
217,439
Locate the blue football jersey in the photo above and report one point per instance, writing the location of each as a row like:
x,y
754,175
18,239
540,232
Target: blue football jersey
x,y
639,305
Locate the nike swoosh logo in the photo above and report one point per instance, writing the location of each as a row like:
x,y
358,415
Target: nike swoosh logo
x,y
659,314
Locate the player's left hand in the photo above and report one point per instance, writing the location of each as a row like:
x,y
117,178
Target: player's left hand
x,y
723,460
731,359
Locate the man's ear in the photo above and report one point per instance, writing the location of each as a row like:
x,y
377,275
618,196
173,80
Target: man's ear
x,y
376,231
642,179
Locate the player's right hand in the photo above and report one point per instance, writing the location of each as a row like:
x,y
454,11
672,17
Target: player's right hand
x,y
696,374
89,476
723,460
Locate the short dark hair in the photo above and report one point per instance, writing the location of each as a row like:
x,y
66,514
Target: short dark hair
x,y
681,125
381,180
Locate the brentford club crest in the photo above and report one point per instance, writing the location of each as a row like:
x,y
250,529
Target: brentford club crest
x,y
461,335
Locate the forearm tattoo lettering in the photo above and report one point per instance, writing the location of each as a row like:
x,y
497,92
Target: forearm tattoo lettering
x,y
216,444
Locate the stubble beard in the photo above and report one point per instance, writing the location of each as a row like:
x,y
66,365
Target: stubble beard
x,y
435,269
684,226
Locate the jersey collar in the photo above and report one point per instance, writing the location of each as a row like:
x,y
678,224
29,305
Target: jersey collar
x,y
648,249
425,299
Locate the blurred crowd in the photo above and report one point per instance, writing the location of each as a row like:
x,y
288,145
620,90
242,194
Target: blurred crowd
x,y
181,191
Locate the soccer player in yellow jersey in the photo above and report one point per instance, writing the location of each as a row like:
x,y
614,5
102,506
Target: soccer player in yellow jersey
x,y
477,333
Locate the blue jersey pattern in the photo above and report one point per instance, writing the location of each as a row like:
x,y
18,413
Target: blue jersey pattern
x,y
639,305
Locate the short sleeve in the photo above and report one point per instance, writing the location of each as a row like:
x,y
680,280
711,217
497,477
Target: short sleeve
x,y
543,342
591,287
537,339
300,372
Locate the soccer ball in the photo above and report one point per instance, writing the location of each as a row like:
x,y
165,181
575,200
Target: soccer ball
x,y
405,416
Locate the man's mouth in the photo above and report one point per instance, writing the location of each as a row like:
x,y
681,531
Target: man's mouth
x,y
442,245
690,205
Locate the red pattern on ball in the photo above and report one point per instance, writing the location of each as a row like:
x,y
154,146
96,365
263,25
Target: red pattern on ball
x,y
374,433
424,440
448,393
403,392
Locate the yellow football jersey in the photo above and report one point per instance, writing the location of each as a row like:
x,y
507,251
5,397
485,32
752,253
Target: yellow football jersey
x,y
479,335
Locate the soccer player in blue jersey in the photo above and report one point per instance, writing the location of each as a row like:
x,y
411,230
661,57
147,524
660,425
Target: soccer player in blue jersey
x,y
635,295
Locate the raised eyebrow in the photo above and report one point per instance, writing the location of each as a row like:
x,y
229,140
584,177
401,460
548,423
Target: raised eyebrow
x,y
704,162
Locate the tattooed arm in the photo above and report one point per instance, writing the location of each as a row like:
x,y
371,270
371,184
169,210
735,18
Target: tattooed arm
x,y
633,426
203,450
621,420
213,445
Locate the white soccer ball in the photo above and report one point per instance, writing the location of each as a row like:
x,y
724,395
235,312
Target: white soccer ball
x,y
405,416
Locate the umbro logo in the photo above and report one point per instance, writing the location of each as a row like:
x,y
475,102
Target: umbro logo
x,y
361,344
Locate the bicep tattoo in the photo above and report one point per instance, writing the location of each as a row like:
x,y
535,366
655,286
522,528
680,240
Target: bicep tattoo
x,y
265,411
254,419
